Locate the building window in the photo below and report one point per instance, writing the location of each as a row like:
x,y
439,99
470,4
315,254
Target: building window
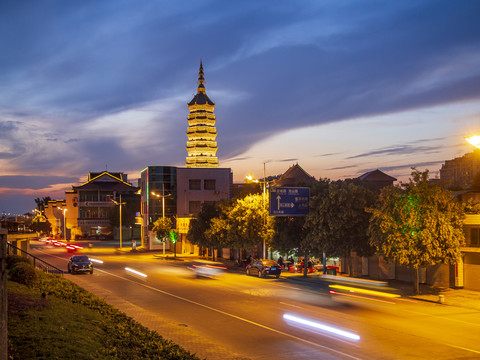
x,y
195,184
88,213
194,207
88,196
106,195
209,184
474,237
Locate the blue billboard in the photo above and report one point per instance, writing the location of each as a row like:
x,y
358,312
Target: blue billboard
x,y
289,201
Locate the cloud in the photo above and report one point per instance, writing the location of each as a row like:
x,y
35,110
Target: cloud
x,y
398,150
419,165
34,182
343,167
328,154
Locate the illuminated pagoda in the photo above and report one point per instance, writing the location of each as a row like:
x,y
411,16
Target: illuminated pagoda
x,y
201,132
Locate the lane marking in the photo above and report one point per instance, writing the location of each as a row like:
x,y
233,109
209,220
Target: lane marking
x,y
466,349
291,305
234,316
289,287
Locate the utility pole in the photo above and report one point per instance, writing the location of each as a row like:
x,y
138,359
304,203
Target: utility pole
x,y
120,209
163,196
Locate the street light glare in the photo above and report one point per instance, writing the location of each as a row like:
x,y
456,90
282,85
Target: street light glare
x,y
474,140
251,178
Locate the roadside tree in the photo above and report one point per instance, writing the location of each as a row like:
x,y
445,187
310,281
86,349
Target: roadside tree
x,y
162,227
199,232
338,221
417,226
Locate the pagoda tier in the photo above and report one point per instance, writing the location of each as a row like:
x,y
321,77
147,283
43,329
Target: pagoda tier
x,y
201,145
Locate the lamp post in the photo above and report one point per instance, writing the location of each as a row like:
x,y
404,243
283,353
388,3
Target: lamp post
x,y
119,203
64,222
264,183
163,196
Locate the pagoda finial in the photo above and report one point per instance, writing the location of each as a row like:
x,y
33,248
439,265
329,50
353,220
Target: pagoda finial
x,y
201,80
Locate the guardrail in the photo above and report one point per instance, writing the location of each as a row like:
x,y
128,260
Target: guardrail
x,y
37,262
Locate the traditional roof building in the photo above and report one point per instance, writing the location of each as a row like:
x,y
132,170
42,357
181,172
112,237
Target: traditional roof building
x,y
293,175
201,145
378,179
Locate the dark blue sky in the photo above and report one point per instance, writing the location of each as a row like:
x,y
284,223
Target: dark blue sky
x,y
341,87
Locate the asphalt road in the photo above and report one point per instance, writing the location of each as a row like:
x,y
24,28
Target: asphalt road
x,y
235,316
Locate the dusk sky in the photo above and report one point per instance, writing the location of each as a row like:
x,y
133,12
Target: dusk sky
x,y
339,87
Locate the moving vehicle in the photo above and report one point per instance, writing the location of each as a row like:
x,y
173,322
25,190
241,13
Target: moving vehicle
x,y
80,263
264,267
208,268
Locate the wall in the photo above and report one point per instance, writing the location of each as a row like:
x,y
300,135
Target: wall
x,y
472,271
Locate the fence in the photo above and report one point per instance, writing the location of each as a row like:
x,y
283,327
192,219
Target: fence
x,y
37,262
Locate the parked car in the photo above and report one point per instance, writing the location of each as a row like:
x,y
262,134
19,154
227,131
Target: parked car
x,y
264,267
80,263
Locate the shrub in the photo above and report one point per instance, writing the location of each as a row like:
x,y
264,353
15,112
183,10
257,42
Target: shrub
x,y
23,273
13,260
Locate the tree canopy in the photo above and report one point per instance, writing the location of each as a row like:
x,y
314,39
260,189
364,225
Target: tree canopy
x,y
337,223
162,227
417,226
198,233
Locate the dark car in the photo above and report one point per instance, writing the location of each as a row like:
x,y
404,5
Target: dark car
x,y
264,267
80,263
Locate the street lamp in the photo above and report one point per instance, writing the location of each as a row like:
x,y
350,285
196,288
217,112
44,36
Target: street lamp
x,y
474,140
163,196
120,203
64,222
264,183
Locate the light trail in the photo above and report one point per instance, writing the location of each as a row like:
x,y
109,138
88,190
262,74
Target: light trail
x,y
136,272
320,326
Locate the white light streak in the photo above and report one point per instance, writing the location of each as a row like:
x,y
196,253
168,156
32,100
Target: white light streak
x,y
97,261
136,272
323,327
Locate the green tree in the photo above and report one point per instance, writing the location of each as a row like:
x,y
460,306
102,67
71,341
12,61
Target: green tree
x,y
417,226
162,227
241,224
199,232
337,223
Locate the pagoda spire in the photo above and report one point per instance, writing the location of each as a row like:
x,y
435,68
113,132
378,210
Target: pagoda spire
x,y
201,145
201,80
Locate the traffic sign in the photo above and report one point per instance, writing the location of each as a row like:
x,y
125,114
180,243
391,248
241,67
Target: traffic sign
x,y
289,201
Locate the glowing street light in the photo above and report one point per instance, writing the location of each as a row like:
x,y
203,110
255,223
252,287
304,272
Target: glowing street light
x,y
250,178
64,222
163,196
474,140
